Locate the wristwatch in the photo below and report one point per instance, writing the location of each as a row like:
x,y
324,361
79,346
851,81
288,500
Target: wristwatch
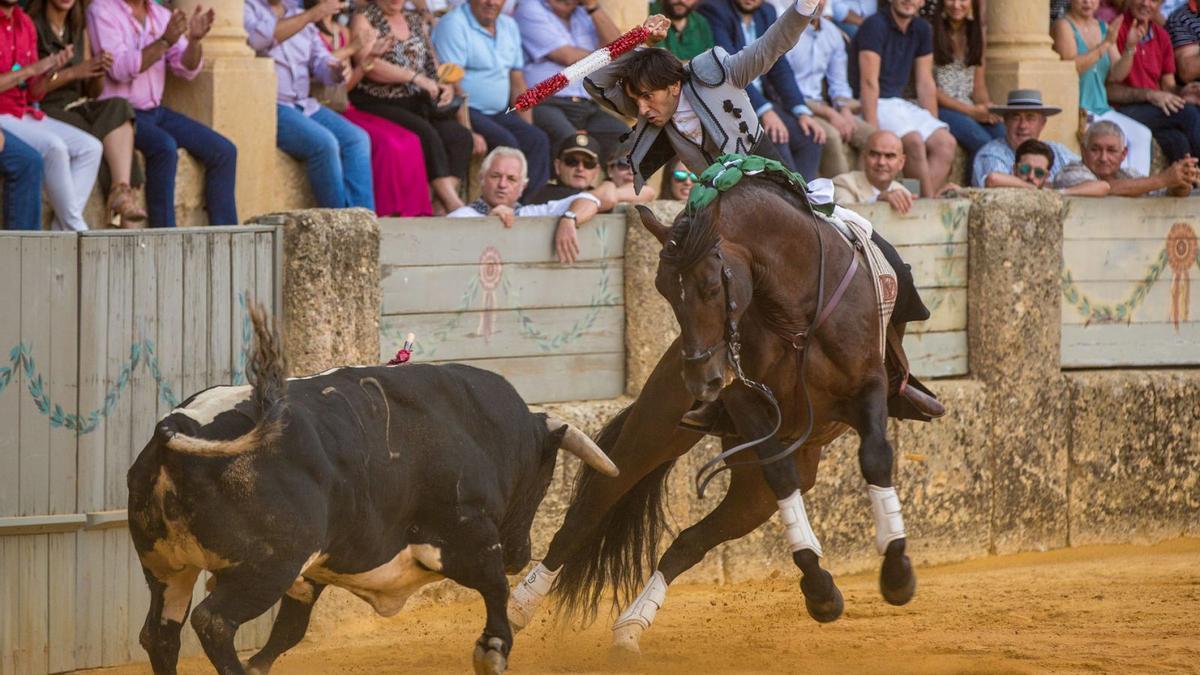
x,y
570,214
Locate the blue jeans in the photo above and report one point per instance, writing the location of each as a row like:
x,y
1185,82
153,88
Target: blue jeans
x,y
1178,135
514,132
970,134
160,132
21,167
336,154
801,153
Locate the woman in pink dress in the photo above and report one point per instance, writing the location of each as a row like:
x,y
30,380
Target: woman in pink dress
x,y
397,163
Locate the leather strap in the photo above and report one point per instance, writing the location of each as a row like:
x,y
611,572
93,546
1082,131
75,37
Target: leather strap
x,y
839,291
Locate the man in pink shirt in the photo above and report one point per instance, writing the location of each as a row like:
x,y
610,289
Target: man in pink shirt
x,y
144,38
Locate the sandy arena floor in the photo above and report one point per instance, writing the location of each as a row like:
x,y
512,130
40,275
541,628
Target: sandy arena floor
x,y
1092,609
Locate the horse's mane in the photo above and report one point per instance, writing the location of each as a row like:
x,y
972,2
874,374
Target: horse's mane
x,y
694,234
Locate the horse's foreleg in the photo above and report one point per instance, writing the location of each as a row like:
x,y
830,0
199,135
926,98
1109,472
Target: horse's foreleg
x,y
821,596
746,505
897,582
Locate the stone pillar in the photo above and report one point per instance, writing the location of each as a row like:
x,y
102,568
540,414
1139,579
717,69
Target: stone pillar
x,y
650,325
235,95
1020,55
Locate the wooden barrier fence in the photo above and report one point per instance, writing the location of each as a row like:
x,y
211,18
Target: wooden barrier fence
x,y
475,292
104,332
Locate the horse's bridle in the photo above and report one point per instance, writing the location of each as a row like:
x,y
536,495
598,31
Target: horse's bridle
x,y
799,342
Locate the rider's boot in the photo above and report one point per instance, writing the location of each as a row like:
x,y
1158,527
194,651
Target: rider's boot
x,y
706,418
907,397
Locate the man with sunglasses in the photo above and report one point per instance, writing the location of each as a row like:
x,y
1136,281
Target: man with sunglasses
x,y
1032,170
577,168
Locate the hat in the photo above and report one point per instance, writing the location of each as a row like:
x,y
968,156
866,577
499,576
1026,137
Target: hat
x,y
1025,99
620,160
580,142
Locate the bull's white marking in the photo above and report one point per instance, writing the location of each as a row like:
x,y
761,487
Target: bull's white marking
x,y
797,529
629,626
177,595
889,524
208,404
179,550
387,587
524,599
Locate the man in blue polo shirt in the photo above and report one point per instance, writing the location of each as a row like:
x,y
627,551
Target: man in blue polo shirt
x,y
487,44
888,47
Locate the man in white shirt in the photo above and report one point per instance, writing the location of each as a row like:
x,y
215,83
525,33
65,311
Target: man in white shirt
x,y
502,179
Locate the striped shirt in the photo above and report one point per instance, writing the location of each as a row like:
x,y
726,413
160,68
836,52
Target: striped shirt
x,y
1184,27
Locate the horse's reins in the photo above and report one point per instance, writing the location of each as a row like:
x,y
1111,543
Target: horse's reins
x,y
798,340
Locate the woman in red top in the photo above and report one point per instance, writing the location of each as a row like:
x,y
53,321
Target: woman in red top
x,y
71,157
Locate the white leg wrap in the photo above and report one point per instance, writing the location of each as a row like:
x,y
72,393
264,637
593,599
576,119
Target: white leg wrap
x,y
527,595
636,618
797,529
889,524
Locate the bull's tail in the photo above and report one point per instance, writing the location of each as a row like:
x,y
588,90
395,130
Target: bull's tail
x,y
623,543
267,375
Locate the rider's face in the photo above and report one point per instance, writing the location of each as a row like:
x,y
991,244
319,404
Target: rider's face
x,y
657,105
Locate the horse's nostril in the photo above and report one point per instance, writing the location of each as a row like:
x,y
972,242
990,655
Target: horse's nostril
x,y
715,383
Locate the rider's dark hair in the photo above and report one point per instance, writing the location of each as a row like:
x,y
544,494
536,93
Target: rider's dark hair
x,y
649,70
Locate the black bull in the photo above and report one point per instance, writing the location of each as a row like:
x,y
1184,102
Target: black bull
x,y
378,480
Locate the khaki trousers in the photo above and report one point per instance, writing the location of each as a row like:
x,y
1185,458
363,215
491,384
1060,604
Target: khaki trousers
x,y
840,156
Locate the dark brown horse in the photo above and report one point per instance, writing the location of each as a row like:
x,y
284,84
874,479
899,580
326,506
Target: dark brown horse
x,y
743,270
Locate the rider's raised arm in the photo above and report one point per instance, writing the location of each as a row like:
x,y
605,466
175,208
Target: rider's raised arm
x,y
756,58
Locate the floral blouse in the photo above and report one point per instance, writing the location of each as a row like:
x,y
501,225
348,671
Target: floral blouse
x,y
414,53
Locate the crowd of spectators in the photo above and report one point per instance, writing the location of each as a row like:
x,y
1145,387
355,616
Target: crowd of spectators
x,y
386,102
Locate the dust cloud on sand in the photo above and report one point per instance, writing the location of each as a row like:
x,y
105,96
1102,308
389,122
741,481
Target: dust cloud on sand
x,y
1089,609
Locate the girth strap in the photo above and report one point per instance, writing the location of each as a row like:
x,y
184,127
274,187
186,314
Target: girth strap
x,y
839,291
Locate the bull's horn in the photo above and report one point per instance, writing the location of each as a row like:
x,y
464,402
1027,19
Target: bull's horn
x,y
577,443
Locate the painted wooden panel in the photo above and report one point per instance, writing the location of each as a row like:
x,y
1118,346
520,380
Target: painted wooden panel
x,y
937,354
930,221
1127,277
936,265
561,377
11,384
439,288
512,333
459,241
947,309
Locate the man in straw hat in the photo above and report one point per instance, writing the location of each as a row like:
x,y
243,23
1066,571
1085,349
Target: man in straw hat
x,y
1024,118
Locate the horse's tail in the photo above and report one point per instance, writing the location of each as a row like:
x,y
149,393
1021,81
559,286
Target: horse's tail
x,y
623,542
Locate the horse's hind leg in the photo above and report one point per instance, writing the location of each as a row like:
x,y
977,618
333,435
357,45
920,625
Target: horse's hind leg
x,y
897,582
745,506
821,596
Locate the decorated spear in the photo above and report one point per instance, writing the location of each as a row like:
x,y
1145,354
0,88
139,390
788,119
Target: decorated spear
x,y
580,69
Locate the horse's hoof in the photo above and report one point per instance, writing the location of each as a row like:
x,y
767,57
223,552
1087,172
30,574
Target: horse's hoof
x,y
625,641
490,660
822,598
897,583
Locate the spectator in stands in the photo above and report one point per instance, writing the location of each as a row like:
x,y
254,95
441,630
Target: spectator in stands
x,y
397,164
958,70
620,172
70,157
143,39
555,34
60,23
883,161
888,48
1150,93
689,34
21,169
502,179
1183,25
1024,118
818,62
787,121
335,152
577,169
1032,168
487,45
850,14
403,87
677,181
1103,155
1091,44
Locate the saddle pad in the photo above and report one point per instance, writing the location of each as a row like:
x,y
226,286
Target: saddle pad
x,y
852,226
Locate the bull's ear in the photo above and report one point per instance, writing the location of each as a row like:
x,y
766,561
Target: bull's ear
x,y
653,224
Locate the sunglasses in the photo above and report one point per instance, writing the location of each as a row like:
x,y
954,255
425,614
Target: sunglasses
x,y
681,175
575,160
1037,171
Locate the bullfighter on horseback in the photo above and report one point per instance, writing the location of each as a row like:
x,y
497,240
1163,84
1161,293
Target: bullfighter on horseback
x,y
700,111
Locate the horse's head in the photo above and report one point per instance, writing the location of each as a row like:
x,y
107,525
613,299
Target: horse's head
x,y
709,288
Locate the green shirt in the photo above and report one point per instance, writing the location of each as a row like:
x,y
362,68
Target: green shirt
x,y
694,39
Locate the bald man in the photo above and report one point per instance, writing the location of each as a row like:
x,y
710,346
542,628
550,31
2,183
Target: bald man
x,y
882,160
